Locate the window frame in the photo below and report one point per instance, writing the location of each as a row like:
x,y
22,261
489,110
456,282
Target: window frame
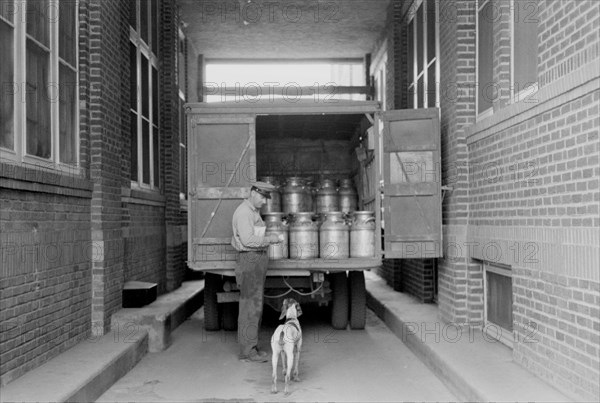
x,y
489,111
525,93
19,153
183,163
145,49
378,71
505,336
413,85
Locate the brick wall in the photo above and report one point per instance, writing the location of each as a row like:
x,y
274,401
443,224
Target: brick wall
x,y
145,242
175,216
391,272
69,240
457,75
538,206
417,278
533,170
46,266
109,114
568,35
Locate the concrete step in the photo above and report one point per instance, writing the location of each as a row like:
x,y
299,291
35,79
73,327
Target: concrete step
x,y
82,373
162,316
472,365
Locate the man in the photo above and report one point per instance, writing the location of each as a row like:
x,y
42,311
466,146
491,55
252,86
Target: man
x,y
250,240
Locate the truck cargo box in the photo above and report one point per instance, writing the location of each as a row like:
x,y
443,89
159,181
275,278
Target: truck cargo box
x,y
393,158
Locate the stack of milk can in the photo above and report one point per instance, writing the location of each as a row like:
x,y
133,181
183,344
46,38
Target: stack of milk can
x,y
319,221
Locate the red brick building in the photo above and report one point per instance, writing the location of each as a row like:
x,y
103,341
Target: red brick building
x,y
92,170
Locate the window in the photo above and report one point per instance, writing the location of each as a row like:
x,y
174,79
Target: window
x,y
144,96
291,80
378,72
423,49
38,73
524,38
182,74
485,53
498,318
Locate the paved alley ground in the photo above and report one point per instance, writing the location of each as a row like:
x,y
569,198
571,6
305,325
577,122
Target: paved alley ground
x,y
370,365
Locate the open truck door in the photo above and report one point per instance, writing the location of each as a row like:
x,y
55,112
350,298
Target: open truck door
x,y
222,164
412,213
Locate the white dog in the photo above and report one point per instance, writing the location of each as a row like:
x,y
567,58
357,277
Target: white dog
x,y
287,341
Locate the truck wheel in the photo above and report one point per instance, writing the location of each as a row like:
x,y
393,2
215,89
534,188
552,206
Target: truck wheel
x,y
230,315
211,307
339,309
358,300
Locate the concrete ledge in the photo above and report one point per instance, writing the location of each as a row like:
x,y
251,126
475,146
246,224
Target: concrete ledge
x,y
471,364
162,316
82,373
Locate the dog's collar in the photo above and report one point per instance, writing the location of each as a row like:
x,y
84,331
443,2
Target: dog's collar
x,y
293,322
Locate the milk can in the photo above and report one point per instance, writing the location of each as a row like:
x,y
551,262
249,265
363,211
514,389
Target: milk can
x,y
362,234
327,197
348,198
273,205
303,236
334,236
275,225
293,200
308,195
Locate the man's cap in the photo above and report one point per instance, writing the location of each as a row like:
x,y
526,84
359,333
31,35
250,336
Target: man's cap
x,y
263,188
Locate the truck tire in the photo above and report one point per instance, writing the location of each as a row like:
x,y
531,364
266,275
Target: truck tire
x,y
339,308
212,283
358,300
230,315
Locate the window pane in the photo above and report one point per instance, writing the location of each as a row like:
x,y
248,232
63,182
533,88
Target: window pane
x,y
133,85
133,130
182,149
182,122
145,151
420,42
431,86
411,52
38,101
67,115
154,26
181,66
39,15
133,14
155,96
67,36
420,92
156,156
431,22
144,5
7,9
145,89
499,300
526,43
7,103
485,50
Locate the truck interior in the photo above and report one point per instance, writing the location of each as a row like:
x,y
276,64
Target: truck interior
x,y
315,146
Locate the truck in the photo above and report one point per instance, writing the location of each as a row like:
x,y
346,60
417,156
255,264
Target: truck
x,y
392,156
